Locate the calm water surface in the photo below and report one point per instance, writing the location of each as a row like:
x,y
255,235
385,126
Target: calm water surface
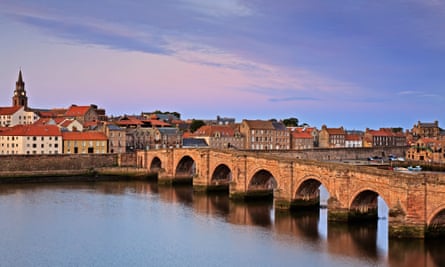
x,y
141,224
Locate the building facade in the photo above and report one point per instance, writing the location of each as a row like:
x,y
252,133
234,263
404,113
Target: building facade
x,y
220,136
84,143
265,135
426,129
331,137
31,139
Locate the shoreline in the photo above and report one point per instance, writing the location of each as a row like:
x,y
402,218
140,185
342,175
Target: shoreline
x,y
85,175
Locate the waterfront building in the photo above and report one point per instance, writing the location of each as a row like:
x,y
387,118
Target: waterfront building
x,y
84,143
220,136
31,139
82,113
384,137
64,124
426,129
265,135
353,140
116,138
16,115
302,138
332,137
428,149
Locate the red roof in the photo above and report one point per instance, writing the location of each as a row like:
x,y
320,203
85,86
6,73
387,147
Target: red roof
x,y
336,131
301,135
9,110
77,111
129,120
353,137
380,132
91,136
32,130
157,123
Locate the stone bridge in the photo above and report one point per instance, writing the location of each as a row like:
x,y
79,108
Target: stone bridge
x,y
416,202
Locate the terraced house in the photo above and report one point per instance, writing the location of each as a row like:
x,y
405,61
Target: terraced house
x,y
265,135
84,143
31,139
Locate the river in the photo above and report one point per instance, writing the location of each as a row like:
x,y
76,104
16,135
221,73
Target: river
x,y
139,223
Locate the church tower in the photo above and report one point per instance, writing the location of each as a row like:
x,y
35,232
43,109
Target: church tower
x,y
20,98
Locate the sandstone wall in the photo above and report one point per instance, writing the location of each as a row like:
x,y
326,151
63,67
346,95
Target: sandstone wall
x,y
26,163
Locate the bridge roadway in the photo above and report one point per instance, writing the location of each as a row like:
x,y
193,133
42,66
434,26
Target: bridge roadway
x,y
416,202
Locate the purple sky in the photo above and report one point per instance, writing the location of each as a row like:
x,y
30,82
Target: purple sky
x,y
348,63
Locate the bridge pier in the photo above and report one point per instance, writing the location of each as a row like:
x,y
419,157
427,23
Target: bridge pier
x,y
165,179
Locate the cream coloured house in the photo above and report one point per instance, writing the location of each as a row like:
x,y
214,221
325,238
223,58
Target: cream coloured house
x,y
31,139
11,116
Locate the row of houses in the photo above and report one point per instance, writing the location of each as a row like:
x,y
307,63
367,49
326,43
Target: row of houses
x,y
87,129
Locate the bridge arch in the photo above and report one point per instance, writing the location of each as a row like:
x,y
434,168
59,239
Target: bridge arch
x,y
186,167
436,223
307,194
222,174
364,205
155,165
262,180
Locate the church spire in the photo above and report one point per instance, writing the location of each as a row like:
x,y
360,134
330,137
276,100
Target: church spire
x,y
20,98
20,80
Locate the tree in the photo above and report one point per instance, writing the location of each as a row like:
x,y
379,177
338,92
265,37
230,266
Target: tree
x,y
196,124
291,122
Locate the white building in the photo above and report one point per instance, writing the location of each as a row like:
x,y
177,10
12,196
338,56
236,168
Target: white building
x,y
31,139
12,116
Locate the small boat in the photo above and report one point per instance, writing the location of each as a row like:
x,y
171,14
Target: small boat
x,y
415,169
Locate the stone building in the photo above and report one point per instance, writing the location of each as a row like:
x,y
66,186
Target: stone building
x,y
220,136
265,135
82,113
426,129
384,137
116,138
302,138
84,143
428,149
331,137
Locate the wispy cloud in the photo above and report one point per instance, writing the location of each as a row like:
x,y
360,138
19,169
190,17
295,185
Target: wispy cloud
x,y
218,8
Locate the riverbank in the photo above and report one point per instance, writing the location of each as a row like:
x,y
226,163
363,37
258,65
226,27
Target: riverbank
x,y
91,174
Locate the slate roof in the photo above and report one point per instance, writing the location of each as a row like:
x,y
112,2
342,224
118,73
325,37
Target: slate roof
x,y
194,142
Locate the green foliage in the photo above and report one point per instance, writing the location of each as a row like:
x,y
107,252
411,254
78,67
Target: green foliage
x,y
291,122
174,113
196,124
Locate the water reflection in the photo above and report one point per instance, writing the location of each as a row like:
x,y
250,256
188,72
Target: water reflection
x,y
358,241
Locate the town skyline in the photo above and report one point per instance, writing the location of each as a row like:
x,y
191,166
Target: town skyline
x,y
321,63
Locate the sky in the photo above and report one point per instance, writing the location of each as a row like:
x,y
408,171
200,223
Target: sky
x,y
352,63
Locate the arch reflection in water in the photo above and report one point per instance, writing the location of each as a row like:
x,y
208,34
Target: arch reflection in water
x,y
350,244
